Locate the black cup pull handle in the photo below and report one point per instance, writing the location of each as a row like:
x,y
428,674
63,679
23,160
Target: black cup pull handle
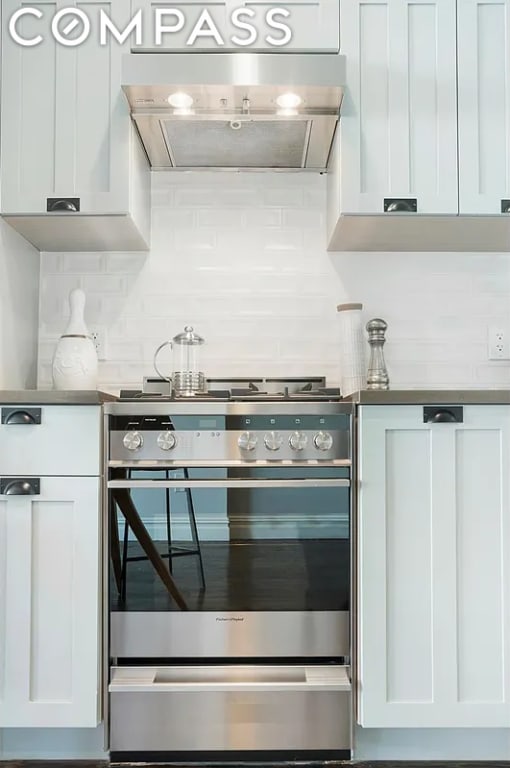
x,y
452,415
400,205
63,204
20,486
21,415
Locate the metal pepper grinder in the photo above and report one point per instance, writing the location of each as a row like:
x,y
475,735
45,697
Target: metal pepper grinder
x,y
377,377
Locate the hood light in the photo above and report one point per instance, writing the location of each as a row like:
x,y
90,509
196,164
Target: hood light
x,y
289,100
180,100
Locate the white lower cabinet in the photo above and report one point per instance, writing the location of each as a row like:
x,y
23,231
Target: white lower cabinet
x,y
434,568
49,604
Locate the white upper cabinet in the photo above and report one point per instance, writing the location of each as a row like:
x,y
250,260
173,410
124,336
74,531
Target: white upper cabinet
x,y
398,127
421,160
434,569
312,24
484,105
68,148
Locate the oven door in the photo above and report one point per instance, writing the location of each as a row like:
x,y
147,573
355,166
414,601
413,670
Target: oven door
x,y
259,557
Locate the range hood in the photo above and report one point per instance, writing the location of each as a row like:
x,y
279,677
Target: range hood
x,y
233,118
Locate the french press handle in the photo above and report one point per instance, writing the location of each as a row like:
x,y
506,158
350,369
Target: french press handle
x,y
154,360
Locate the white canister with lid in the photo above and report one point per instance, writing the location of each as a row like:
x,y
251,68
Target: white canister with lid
x,y
352,349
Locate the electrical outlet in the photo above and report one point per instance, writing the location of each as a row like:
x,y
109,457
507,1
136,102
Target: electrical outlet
x,y
499,346
98,336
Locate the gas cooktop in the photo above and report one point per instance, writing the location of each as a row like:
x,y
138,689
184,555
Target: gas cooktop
x,y
308,388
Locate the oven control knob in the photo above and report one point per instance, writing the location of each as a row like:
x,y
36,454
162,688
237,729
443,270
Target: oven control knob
x,y
273,441
323,441
247,441
166,440
298,441
132,440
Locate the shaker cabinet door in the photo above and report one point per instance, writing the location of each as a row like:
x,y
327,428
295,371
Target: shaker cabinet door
x,y
314,25
398,127
65,120
434,569
50,606
484,105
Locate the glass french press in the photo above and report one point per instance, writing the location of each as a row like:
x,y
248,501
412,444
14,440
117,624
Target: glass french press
x,y
186,379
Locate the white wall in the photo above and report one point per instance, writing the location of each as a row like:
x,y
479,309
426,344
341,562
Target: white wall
x,y
19,310
242,258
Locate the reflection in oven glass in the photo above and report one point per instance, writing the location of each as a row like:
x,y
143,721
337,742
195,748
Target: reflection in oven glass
x,y
263,549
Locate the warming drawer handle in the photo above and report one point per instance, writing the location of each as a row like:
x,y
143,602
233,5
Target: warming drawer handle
x,y
156,681
308,483
20,486
21,416
216,687
452,415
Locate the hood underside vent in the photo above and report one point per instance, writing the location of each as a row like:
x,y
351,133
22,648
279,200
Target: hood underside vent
x,y
237,143
233,118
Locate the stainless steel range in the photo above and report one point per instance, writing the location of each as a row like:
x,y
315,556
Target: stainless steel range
x,y
230,543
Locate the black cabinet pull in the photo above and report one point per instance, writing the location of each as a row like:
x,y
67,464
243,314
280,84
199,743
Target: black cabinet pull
x,y
21,415
400,205
63,204
505,206
450,415
20,486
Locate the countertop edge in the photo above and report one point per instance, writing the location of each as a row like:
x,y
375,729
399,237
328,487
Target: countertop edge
x,y
432,397
54,397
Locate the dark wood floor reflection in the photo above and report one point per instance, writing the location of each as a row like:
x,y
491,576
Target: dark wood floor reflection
x,y
264,575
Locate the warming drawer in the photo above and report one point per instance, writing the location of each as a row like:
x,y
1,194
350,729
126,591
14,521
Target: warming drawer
x,y
231,707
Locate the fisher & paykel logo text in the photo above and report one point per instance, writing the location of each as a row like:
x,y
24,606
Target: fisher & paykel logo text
x,y
71,27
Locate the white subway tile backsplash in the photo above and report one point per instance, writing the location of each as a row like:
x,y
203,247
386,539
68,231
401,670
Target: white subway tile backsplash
x,y
51,262
192,240
284,196
83,263
494,373
281,239
98,284
242,257
124,350
263,217
164,217
303,217
125,262
231,218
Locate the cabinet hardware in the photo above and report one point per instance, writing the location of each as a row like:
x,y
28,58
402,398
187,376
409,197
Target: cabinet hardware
x,y
63,204
20,486
505,206
450,415
21,415
400,205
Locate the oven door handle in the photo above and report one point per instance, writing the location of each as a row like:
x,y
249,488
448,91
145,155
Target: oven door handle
x,y
232,483
178,680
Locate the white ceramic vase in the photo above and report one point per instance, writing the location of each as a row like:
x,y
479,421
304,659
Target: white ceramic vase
x,y
75,359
